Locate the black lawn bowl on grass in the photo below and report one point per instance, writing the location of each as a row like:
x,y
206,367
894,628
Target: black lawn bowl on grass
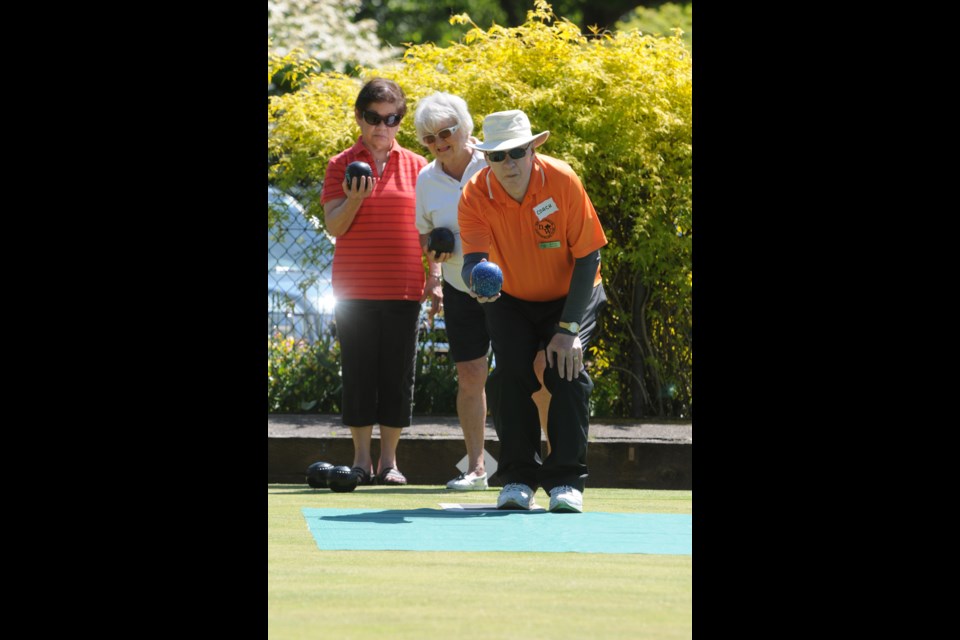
x,y
341,479
318,474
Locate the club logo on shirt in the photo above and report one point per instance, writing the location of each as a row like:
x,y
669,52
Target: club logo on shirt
x,y
546,228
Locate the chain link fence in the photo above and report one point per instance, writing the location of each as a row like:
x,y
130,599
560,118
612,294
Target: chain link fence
x,y
300,297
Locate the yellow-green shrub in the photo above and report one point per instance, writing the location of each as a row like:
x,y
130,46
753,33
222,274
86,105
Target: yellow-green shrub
x,y
619,109
303,377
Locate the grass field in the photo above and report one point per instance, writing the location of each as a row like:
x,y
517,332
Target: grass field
x,y
359,595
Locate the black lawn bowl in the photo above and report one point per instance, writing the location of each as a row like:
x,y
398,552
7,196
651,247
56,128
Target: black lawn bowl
x,y
357,169
318,473
441,240
341,479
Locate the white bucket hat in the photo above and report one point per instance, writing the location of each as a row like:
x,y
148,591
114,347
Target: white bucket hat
x,y
507,130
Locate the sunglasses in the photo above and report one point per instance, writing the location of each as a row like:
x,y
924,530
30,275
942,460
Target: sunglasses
x,y
515,153
443,134
374,118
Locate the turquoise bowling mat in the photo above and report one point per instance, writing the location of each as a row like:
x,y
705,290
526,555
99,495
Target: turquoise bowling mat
x,y
492,530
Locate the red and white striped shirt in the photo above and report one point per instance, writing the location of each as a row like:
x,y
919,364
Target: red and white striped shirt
x,y
379,256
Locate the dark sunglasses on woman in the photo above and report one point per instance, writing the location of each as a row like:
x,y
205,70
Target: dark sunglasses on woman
x,y
374,118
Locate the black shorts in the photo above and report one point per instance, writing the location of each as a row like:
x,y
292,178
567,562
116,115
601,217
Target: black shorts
x,y
378,351
466,325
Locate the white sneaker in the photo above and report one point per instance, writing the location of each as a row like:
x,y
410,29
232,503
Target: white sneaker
x,y
515,495
468,482
566,499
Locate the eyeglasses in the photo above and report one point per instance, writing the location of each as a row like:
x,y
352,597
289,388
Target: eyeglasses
x,y
515,153
443,134
374,118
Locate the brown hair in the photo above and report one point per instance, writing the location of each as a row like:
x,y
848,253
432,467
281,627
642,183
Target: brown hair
x,y
381,90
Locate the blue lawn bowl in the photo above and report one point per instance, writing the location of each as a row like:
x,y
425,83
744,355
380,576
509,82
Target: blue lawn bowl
x,y
487,279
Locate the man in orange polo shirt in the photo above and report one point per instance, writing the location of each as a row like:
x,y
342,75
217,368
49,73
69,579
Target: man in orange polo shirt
x,y
530,214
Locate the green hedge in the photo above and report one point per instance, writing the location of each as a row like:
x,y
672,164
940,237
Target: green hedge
x,y
305,378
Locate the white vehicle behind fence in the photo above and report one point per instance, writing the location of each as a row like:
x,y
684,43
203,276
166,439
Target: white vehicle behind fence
x,y
300,299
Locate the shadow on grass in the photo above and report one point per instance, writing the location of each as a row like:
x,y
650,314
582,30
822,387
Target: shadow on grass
x,y
372,489
401,516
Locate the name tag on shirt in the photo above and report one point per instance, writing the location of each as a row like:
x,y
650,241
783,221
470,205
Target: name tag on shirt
x,y
545,208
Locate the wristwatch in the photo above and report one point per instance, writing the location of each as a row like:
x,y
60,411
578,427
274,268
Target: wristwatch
x,y
572,327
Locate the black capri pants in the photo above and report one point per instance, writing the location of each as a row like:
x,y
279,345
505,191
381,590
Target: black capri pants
x,y
378,351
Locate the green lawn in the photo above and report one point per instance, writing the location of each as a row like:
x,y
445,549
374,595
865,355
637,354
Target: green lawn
x,y
391,595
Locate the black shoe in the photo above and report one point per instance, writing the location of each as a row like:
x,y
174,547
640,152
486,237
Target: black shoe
x,y
363,476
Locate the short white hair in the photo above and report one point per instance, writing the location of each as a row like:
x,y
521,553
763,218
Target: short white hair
x,y
436,109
